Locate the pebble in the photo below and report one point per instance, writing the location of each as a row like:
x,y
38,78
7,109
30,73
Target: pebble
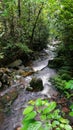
x,y
18,128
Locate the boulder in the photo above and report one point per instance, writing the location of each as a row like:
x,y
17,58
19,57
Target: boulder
x,y
2,117
4,77
21,67
9,97
15,63
18,128
25,72
4,70
27,69
0,84
36,84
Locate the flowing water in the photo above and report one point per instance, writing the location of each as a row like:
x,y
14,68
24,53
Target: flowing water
x,y
14,116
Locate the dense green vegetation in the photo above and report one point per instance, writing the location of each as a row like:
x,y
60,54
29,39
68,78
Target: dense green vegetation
x,y
26,27
23,27
63,61
43,115
64,27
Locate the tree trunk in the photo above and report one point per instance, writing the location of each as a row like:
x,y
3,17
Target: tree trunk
x,y
12,26
34,27
19,8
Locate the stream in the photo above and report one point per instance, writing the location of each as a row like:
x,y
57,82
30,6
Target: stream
x,y
13,117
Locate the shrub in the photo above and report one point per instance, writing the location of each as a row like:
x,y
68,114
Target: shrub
x,y
43,115
65,76
58,82
71,110
69,84
56,62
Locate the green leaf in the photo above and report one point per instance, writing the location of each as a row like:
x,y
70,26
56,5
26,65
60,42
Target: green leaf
x,y
31,115
69,84
71,113
56,114
25,124
62,120
41,128
68,127
58,129
62,125
39,110
43,117
50,107
71,107
38,102
55,123
34,126
28,110
47,126
23,47
50,116
45,102
32,102
1,55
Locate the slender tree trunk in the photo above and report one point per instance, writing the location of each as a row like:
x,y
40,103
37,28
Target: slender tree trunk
x,y
29,13
19,8
4,20
12,26
34,26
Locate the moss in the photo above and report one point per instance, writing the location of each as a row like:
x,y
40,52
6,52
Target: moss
x,y
36,84
8,98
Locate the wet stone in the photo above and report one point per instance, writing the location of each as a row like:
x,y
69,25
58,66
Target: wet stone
x,y
5,78
1,117
36,84
9,97
15,63
17,128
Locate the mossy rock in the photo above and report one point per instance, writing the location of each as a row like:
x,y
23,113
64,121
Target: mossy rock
x,y
5,78
1,107
8,98
5,70
36,84
24,74
2,117
16,63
